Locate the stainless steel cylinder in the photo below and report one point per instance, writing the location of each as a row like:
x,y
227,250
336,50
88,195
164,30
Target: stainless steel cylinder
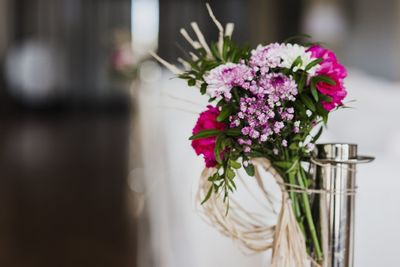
x,y
335,175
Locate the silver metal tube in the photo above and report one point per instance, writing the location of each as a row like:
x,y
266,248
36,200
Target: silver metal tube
x,y
335,173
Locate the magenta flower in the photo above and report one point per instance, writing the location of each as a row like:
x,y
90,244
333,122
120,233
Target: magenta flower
x,y
205,146
330,67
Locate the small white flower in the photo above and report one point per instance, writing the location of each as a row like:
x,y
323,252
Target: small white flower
x,y
284,143
310,147
264,137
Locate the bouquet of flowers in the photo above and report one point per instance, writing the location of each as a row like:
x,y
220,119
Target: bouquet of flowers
x,y
270,102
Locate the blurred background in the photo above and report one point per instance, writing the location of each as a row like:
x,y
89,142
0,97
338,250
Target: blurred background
x,y
95,165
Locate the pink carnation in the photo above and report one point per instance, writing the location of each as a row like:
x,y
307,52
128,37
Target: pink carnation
x,y
330,67
205,146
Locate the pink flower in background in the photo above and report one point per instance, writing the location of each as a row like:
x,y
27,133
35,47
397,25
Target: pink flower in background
x,y
205,146
122,58
330,67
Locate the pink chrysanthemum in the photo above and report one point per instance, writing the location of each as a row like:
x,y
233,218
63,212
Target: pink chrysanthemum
x,y
223,78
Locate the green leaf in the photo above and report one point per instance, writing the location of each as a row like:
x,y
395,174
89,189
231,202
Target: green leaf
x,y
218,148
185,76
192,82
297,62
232,55
225,47
316,137
297,137
236,94
255,154
233,132
308,182
213,178
214,51
294,146
205,134
230,173
225,143
225,113
324,79
283,164
313,63
228,185
314,91
308,102
301,83
249,169
286,71
235,165
325,119
208,195
287,166
203,88
233,184
325,98
323,113
221,103
300,107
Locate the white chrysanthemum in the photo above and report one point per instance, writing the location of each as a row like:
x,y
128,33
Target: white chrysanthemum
x,y
290,52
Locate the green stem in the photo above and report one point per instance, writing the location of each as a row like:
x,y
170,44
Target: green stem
x,y
307,210
295,201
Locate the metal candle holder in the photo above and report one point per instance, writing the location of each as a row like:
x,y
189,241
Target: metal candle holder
x,y
334,168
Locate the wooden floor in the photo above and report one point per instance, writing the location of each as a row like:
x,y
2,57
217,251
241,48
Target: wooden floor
x,y
63,191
